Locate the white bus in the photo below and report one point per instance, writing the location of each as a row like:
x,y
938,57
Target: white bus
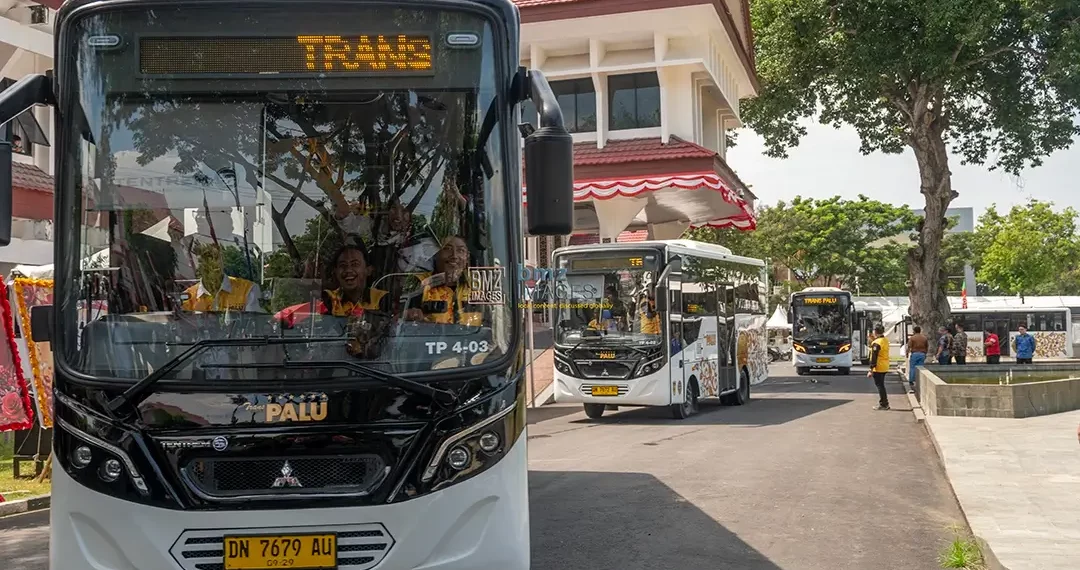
x,y
1051,327
864,320
213,427
821,337
657,323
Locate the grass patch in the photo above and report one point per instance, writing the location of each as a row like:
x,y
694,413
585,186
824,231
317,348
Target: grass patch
x,y
22,488
962,553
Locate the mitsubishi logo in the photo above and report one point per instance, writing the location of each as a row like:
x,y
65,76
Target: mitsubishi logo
x,y
286,479
605,373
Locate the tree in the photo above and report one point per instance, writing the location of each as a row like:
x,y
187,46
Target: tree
x,y
982,78
1028,250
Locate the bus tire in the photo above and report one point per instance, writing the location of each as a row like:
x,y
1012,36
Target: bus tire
x,y
801,370
689,404
845,371
742,395
595,411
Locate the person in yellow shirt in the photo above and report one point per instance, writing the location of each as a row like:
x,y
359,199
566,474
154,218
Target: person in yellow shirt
x,y
879,365
349,294
218,292
448,289
648,318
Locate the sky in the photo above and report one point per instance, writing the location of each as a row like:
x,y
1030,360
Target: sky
x,y
828,163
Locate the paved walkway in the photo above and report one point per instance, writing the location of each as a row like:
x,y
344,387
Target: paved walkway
x,y
1018,481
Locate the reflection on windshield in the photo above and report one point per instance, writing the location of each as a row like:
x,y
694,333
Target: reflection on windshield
x,y
275,216
618,305
827,322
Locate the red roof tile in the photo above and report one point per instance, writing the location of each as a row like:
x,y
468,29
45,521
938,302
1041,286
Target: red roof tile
x,y
30,177
637,150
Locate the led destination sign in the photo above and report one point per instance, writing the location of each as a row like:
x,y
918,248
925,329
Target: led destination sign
x,y
608,263
817,300
369,54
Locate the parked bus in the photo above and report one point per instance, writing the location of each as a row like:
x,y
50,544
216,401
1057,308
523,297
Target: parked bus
x,y
657,323
821,329
1050,327
865,319
340,426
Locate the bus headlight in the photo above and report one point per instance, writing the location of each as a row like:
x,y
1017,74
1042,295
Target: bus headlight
x,y
112,462
650,367
110,470
82,456
845,348
798,348
489,442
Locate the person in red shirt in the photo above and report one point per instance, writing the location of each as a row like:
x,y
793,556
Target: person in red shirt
x,y
993,347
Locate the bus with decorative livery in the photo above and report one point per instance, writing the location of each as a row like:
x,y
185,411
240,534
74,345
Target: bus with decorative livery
x,y
657,323
821,329
299,346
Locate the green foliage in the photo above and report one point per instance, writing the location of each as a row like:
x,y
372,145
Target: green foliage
x,y
1028,250
1001,74
963,554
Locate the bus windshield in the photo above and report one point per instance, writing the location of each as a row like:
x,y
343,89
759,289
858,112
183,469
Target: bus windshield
x,y
821,318
344,204
607,297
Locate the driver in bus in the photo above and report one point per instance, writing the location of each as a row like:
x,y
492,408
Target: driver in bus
x,y
446,293
218,292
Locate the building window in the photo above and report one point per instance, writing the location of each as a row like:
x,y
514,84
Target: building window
x,y
577,99
634,101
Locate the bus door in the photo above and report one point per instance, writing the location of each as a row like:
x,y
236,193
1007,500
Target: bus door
x,y
676,342
726,363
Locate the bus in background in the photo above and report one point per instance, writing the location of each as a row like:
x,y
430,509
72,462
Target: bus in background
x,y
821,329
215,427
1052,329
865,319
657,323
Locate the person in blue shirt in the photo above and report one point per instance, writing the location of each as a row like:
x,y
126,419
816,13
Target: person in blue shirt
x,y
1025,346
676,342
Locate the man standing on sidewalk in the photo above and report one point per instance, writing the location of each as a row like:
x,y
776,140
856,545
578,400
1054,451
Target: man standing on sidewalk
x,y
959,345
918,345
1025,346
879,365
944,346
992,347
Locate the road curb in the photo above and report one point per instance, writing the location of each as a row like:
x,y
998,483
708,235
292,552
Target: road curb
x,y
20,506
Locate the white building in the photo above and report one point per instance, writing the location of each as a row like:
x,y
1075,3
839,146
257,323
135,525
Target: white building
x,y
26,46
650,90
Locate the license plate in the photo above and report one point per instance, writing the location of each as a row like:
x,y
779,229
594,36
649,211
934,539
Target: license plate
x,y
305,551
824,360
605,390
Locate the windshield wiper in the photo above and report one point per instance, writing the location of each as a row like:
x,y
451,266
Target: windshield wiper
x,y
197,348
444,397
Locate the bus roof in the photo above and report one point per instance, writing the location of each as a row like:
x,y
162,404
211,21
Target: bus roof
x,y
821,291
677,246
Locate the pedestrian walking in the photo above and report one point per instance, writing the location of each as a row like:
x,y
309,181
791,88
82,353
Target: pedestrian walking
x,y
959,345
918,345
879,364
1025,346
992,347
944,346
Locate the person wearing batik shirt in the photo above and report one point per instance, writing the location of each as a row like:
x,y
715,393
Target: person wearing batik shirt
x,y
218,292
350,271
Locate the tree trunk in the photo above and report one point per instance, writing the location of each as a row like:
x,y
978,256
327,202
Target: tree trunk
x,y
929,304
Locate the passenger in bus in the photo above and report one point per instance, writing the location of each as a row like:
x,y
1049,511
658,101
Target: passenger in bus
x,y
216,291
347,292
445,299
648,318
613,313
1025,346
676,342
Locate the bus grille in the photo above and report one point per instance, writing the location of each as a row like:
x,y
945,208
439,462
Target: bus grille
x,y
359,546
233,477
615,370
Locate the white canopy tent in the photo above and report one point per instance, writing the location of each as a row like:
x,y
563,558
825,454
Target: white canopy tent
x,y
778,320
99,259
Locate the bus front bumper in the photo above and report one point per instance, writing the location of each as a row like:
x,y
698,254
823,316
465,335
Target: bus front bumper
x,y
479,523
650,390
802,360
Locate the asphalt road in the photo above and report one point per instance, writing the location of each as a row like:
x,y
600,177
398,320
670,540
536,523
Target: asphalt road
x,y
805,477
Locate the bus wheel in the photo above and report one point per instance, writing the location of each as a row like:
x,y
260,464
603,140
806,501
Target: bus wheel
x,y
800,370
845,371
595,411
742,395
689,405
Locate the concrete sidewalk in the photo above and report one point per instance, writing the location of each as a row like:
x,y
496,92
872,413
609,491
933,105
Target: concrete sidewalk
x,y
1018,482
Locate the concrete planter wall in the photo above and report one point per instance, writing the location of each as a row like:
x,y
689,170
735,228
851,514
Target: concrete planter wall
x,y
1017,400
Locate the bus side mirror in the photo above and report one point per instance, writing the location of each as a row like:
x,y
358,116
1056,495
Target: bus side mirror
x,y
549,165
6,191
41,323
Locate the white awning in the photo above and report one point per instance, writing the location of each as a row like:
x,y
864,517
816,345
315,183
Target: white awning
x,y
778,320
